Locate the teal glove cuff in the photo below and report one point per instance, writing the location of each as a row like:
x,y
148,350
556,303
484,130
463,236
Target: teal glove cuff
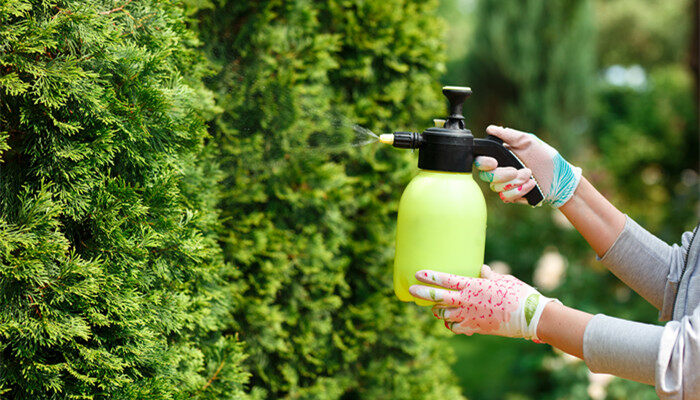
x,y
565,180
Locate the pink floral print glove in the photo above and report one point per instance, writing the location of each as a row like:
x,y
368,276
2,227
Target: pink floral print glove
x,y
492,305
556,178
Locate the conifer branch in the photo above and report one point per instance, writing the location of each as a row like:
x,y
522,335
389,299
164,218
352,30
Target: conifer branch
x,y
213,377
61,11
35,306
120,8
141,20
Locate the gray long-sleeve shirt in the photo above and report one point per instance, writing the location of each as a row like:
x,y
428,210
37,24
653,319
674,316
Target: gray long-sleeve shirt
x,y
669,278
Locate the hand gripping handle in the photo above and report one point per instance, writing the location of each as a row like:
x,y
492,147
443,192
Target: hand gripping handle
x,y
492,146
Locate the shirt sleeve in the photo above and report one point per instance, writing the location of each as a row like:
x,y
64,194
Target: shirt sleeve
x,y
623,348
646,264
665,356
678,363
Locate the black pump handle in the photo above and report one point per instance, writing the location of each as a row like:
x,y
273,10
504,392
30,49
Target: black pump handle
x,y
492,146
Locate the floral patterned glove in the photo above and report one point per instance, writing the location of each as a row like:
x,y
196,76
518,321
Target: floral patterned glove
x,y
492,305
556,177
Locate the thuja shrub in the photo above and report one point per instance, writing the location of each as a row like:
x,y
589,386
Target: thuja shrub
x,y
110,271
308,220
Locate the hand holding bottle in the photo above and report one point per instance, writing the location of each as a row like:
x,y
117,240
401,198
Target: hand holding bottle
x,y
492,305
556,177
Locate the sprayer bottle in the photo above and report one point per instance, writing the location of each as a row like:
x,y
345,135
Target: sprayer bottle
x,y
442,213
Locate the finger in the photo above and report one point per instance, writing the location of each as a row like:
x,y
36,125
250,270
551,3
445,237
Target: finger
x,y
485,163
450,325
447,313
488,273
443,279
486,176
458,328
452,314
433,294
504,174
439,311
523,200
522,176
508,135
514,194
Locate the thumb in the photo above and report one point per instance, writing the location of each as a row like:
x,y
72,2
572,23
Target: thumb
x,y
508,135
488,273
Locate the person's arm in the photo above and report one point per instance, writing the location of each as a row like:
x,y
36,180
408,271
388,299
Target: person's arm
x,y
607,345
563,328
563,185
667,357
503,305
646,264
596,219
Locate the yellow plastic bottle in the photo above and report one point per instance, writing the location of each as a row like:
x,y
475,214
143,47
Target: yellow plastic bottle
x,y
441,226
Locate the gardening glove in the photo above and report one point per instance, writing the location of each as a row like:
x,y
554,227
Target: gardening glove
x,y
492,305
556,178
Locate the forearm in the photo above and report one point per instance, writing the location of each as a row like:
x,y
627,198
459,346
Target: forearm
x,y
608,345
598,221
563,328
638,258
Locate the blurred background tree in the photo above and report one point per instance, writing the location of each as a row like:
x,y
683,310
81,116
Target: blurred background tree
x,y
612,87
531,62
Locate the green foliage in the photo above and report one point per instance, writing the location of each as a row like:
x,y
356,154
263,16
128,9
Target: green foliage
x,y
109,266
308,219
637,32
531,65
648,141
112,279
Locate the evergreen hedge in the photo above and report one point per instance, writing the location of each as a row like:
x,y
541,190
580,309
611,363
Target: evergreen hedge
x,y
109,263
144,257
309,222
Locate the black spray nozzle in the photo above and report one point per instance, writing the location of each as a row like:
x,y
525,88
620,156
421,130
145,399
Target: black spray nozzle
x,y
456,96
402,140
